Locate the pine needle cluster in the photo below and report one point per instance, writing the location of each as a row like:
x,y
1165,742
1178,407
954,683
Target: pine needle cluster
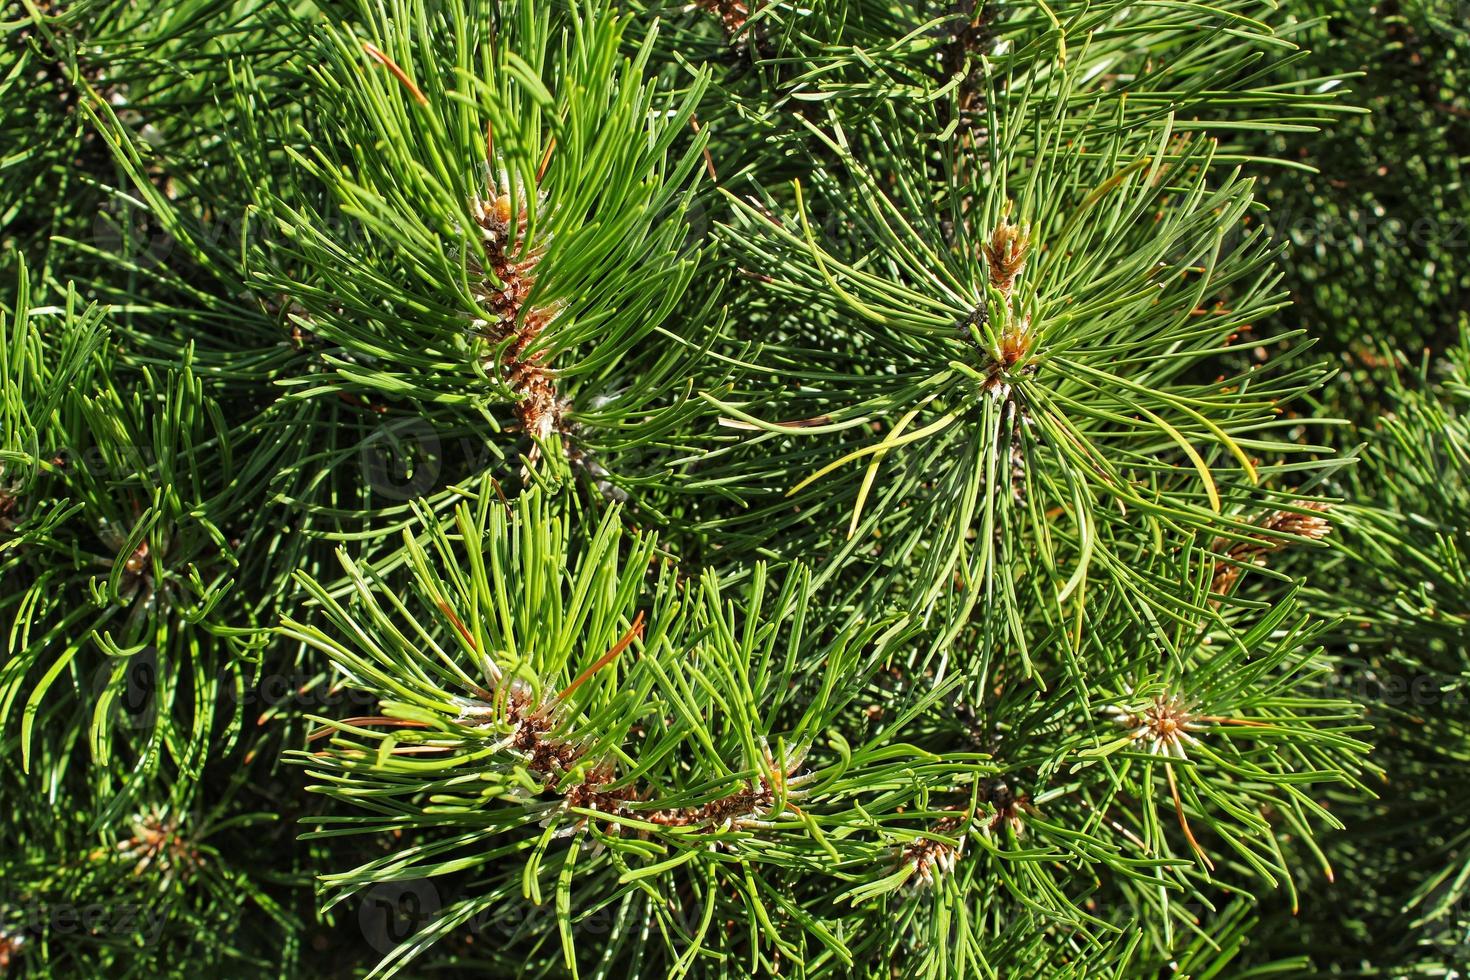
x,y
721,489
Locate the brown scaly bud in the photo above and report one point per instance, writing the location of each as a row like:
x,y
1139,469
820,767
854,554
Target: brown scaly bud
x,y
1296,527
283,307
746,807
156,842
1011,806
970,36
137,562
732,13
1016,340
512,326
1226,575
1005,254
8,505
929,858
593,793
10,946
136,580
1165,724
549,756
1311,526
728,810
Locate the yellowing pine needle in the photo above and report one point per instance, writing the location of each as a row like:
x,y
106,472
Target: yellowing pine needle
x,y
1061,32
1102,189
1194,457
811,243
1085,535
892,442
1230,444
378,721
872,473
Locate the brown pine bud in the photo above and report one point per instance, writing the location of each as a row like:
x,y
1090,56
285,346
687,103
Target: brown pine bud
x,y
1005,253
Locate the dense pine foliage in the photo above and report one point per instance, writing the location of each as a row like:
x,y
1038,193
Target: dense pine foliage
x,y
613,488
